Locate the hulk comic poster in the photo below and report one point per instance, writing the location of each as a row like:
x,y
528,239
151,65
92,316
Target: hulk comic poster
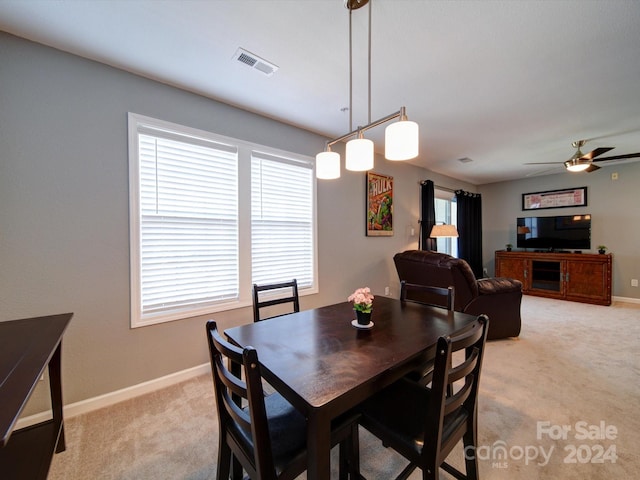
x,y
379,205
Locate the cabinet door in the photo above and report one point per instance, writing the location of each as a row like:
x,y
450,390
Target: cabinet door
x,y
513,268
587,281
546,277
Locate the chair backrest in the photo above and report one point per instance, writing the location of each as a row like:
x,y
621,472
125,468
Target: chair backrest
x,y
427,294
425,267
454,389
291,297
246,431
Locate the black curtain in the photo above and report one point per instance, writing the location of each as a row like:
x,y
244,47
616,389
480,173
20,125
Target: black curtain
x,y
470,229
428,212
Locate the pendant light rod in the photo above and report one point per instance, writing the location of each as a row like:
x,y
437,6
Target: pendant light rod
x,y
399,114
350,73
369,63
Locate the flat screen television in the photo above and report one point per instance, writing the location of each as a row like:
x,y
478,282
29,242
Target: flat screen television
x,y
566,232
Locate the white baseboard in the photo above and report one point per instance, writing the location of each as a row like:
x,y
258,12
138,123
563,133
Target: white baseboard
x,y
111,398
625,299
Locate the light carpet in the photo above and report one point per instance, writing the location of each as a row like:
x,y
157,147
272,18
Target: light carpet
x,y
559,402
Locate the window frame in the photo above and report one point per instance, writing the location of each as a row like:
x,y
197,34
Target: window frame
x,y
244,149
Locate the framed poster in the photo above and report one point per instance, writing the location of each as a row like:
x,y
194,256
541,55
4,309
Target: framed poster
x,y
379,205
575,197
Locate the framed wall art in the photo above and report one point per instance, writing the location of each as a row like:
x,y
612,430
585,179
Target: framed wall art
x,y
379,205
574,197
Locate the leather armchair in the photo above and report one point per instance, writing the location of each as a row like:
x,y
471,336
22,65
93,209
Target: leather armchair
x,y
498,298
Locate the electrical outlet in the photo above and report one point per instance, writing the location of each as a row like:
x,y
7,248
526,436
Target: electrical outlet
x,y
386,291
634,282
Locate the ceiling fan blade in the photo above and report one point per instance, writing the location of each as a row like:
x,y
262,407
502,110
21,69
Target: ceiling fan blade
x,y
592,168
543,163
618,157
543,172
597,152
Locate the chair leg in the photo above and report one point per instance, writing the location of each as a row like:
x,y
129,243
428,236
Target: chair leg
x,y
236,469
349,450
470,457
354,453
343,468
224,461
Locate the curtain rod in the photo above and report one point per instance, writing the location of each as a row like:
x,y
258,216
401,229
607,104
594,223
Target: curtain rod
x,y
440,187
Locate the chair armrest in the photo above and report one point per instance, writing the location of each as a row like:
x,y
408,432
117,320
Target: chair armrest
x,y
491,286
499,298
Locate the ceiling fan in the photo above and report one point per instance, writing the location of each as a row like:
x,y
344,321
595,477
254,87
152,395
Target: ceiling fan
x,y
581,162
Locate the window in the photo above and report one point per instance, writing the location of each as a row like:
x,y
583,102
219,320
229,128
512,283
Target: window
x,y
209,216
282,230
446,212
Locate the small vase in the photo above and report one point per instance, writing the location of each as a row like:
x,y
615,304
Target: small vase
x,y
364,318
601,252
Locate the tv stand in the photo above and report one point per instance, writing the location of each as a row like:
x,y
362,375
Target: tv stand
x,y
577,277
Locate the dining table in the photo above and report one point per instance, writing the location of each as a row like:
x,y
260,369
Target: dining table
x,y
324,365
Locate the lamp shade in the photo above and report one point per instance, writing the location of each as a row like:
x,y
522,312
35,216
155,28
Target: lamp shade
x,y
328,165
439,231
401,140
359,155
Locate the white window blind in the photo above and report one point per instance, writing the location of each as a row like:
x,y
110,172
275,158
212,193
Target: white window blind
x,y
188,225
282,220
209,216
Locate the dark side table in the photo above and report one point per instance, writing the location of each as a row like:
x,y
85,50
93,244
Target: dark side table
x,y
26,347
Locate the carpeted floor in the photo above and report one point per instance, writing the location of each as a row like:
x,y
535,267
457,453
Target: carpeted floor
x,y
560,402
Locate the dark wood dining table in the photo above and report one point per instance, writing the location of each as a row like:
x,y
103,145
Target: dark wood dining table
x,y
325,366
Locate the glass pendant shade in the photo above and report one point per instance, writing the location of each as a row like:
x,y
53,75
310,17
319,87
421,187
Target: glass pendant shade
x,y
328,165
359,155
401,140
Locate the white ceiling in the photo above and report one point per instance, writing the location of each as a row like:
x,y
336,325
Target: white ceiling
x,y
500,82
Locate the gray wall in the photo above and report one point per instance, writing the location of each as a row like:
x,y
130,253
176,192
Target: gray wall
x,y
64,213
613,205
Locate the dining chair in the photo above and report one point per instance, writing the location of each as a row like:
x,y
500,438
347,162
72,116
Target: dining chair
x,y
258,304
265,435
428,294
425,424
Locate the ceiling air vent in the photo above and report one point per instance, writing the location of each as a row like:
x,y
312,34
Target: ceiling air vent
x,y
255,62
465,160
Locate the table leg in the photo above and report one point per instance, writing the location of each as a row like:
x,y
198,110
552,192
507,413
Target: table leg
x,y
318,447
55,388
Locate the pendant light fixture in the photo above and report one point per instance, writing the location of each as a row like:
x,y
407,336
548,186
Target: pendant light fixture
x,y
401,137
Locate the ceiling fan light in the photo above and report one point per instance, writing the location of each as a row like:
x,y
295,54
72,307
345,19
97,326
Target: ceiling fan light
x,y
401,140
359,155
575,165
328,165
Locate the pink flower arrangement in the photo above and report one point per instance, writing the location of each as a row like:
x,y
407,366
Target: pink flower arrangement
x,y
362,300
